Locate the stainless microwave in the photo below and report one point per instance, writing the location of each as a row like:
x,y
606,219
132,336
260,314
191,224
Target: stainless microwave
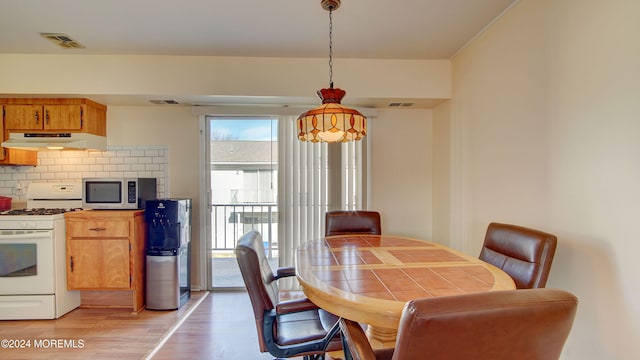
x,y
117,193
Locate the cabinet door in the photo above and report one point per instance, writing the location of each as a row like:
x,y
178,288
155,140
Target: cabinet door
x,y
23,117
101,229
63,117
98,264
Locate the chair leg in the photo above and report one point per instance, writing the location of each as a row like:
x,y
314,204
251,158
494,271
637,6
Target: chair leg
x,y
314,357
345,349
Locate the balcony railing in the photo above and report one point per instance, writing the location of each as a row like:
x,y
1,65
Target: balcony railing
x,y
230,221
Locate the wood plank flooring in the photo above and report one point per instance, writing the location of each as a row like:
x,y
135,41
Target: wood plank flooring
x,y
221,326
94,333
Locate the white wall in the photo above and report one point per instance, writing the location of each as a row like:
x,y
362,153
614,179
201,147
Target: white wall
x,y
157,76
544,132
401,171
176,128
442,175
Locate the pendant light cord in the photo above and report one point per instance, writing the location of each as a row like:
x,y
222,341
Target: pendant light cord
x,y
331,47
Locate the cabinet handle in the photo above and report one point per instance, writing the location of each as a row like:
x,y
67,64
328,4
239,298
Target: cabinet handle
x,y
37,116
71,263
97,229
46,116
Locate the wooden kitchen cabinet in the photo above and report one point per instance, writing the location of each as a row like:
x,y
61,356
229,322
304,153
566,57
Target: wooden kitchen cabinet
x,y
106,257
37,115
14,156
44,115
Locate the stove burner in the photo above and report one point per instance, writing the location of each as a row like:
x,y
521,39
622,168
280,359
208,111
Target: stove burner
x,y
37,211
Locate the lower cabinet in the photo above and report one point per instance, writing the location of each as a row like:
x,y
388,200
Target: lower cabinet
x,y
99,264
106,258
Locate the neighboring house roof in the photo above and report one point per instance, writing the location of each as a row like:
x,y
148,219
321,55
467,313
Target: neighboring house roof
x,y
248,152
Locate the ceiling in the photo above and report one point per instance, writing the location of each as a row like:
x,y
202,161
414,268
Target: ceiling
x,y
398,29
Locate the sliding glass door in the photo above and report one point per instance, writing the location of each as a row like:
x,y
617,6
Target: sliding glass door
x,y
262,177
243,186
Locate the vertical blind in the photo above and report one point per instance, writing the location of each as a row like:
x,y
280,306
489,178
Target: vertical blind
x,y
314,178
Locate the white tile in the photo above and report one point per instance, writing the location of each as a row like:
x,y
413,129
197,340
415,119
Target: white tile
x,y
117,161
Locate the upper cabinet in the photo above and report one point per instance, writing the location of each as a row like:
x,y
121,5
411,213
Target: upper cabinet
x,y
39,115
44,115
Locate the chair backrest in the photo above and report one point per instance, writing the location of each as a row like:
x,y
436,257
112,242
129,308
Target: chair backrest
x,y
258,278
525,254
342,222
530,324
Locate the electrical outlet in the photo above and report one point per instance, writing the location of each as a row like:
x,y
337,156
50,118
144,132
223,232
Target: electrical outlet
x,y
19,189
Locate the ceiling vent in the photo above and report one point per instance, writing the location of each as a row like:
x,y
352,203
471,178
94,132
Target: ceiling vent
x,y
400,104
62,40
162,102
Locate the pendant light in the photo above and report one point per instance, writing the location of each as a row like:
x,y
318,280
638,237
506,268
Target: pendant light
x,y
331,122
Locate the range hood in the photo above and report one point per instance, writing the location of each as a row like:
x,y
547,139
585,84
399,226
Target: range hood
x,y
55,141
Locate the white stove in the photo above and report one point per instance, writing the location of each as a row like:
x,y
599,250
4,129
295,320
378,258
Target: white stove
x,y
33,282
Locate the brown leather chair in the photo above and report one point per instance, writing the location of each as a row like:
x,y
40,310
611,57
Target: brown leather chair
x,y
525,254
530,324
342,222
285,328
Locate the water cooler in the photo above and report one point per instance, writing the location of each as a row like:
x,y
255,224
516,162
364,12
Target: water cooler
x,y
168,253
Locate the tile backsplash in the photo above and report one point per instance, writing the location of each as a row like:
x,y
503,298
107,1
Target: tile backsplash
x,y
116,161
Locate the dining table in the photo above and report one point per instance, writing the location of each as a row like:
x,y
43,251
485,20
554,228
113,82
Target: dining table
x,y
369,278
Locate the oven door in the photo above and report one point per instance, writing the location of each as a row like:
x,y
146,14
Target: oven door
x,y
26,262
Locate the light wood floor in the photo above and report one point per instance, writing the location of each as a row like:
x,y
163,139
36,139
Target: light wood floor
x,y
220,327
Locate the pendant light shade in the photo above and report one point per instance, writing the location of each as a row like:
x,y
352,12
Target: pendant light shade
x,y
331,121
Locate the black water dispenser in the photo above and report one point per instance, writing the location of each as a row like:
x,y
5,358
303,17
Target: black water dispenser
x,y
168,253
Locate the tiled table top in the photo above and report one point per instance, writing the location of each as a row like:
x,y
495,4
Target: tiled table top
x,y
368,278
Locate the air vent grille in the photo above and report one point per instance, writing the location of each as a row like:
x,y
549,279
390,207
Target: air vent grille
x,y
399,104
162,102
62,40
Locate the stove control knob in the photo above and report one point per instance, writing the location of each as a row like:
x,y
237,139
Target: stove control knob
x,y
28,225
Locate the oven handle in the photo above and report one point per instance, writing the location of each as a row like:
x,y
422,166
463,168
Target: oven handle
x,y
10,235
